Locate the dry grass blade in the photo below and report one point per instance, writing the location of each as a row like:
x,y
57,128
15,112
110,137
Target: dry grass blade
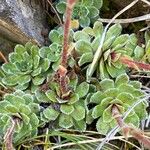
x,y
3,57
145,1
130,20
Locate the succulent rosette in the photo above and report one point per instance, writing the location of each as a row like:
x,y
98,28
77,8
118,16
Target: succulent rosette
x,y
114,47
53,52
20,106
85,11
122,93
68,112
25,69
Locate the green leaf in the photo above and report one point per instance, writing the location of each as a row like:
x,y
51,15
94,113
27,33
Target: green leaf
x,y
126,98
98,3
113,71
136,84
50,113
114,30
54,36
80,125
121,79
66,109
102,70
83,47
97,97
44,51
88,30
78,113
15,100
134,119
98,29
126,88
73,99
36,72
102,127
84,22
11,109
106,102
25,118
80,35
45,64
24,109
139,52
34,107
120,41
10,80
82,89
93,12
85,58
24,79
65,121
38,80
51,95
97,111
9,68
107,115
20,49
61,7
34,121
113,92
106,84
41,97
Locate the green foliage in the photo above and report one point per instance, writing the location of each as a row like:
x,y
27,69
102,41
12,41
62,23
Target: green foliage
x,y
22,106
53,52
25,68
85,11
123,93
66,112
115,46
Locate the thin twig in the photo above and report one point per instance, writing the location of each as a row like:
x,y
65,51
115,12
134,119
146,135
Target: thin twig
x,y
99,51
3,57
129,20
55,12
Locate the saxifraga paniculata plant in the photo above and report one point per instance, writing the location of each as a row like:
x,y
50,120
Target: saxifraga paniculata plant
x,y
85,11
115,46
54,51
26,70
121,93
18,117
68,112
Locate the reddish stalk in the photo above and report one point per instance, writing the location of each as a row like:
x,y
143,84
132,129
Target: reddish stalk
x,y
3,57
139,135
8,138
120,122
136,133
64,58
134,64
67,25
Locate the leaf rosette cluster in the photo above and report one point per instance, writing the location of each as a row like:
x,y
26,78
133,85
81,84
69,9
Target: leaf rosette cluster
x,y
122,93
25,69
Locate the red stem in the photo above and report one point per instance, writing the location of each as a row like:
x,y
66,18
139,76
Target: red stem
x,y
69,9
139,135
134,64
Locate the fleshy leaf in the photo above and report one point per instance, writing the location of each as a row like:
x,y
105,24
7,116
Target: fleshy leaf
x,y
65,121
106,84
50,113
82,89
66,109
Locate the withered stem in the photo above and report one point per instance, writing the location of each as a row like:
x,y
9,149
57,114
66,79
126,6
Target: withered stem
x,y
3,57
8,138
